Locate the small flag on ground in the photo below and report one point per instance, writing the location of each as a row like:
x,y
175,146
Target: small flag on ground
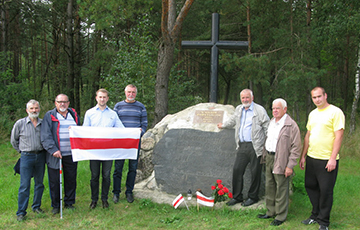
x,y
203,200
178,200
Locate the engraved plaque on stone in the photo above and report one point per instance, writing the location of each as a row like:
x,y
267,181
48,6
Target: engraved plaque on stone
x,y
208,116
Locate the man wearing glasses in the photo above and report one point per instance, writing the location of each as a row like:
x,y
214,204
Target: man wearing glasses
x,y
56,141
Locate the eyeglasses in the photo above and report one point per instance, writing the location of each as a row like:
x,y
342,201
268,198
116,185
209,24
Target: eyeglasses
x,y
62,102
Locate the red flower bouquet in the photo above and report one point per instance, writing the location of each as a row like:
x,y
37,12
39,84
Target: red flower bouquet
x,y
220,192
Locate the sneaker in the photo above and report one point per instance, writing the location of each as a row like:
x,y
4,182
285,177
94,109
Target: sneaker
x,y
323,227
116,199
38,211
309,221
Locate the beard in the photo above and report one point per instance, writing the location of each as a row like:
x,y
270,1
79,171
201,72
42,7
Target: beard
x,y
34,115
62,109
246,105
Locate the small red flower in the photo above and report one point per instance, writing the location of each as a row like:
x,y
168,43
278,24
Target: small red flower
x,y
220,186
226,190
230,195
213,187
218,181
221,192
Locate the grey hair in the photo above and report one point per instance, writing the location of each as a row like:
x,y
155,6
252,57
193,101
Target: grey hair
x,y
131,86
247,91
32,102
282,101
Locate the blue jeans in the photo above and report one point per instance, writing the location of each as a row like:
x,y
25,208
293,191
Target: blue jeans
x,y
31,165
131,175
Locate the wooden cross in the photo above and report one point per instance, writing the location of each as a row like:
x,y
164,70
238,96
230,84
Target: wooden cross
x,y
214,45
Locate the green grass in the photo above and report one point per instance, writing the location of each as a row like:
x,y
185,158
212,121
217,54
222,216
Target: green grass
x,y
145,214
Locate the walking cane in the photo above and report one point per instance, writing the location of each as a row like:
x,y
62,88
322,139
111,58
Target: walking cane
x,y
60,189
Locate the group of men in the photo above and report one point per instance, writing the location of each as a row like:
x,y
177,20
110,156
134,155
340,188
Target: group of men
x,y
47,140
278,142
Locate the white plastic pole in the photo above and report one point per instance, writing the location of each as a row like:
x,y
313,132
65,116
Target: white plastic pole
x,y
61,216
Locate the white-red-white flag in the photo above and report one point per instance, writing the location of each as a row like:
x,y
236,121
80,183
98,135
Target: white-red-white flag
x,y
178,200
203,200
104,143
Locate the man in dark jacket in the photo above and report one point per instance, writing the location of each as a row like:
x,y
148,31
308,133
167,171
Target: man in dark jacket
x,y
56,141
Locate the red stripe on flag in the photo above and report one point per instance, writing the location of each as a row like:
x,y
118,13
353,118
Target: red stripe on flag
x,y
103,143
178,200
204,199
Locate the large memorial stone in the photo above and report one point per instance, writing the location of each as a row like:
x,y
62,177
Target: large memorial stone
x,y
191,159
187,151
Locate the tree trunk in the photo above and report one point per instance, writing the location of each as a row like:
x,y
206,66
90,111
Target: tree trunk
x,y
78,63
170,32
356,96
70,52
165,62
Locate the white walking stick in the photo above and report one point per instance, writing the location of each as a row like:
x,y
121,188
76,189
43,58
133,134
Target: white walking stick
x,y
60,189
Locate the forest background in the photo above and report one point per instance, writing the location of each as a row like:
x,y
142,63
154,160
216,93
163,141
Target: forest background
x,y
77,47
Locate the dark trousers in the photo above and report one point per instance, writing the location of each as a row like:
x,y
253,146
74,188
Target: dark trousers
x,y
319,185
95,166
70,174
244,156
131,175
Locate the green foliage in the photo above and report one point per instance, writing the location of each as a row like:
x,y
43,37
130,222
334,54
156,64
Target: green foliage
x,y
15,96
134,63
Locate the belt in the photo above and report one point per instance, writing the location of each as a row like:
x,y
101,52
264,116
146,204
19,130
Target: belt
x,y
35,152
271,153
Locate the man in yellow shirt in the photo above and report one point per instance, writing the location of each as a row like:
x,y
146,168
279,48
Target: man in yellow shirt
x,y
322,143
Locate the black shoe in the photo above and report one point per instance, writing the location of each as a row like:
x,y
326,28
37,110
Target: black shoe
x,y
309,221
55,211
264,216
249,202
38,211
20,217
232,202
116,199
323,227
277,223
105,204
130,197
69,206
93,204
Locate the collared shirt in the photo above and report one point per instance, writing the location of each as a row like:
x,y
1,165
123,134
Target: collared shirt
x,y
273,133
102,118
246,123
25,137
65,122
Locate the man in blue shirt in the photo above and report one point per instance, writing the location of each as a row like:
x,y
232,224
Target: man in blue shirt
x,y
133,115
251,123
101,116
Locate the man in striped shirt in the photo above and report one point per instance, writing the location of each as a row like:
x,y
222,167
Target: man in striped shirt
x,y
25,138
132,114
56,140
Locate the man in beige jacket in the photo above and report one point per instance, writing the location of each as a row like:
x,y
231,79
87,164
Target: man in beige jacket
x,y
283,146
